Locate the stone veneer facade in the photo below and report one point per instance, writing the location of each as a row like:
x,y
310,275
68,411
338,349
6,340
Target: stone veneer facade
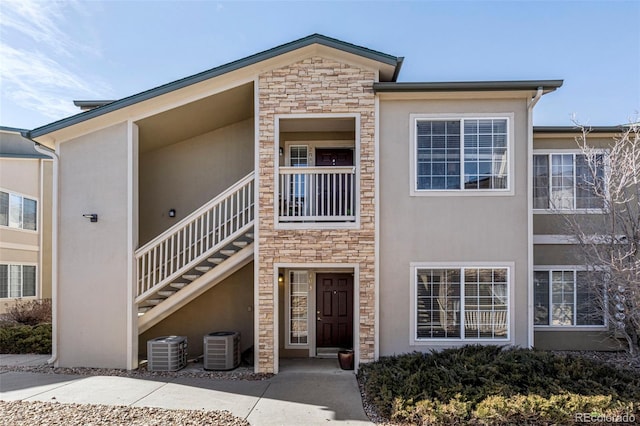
x,y
314,86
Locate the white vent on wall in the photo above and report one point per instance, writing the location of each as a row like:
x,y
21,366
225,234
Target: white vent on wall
x,y
167,353
222,350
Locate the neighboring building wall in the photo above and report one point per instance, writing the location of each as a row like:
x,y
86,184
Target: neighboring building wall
x,y
226,307
566,255
185,175
93,301
460,228
315,85
31,177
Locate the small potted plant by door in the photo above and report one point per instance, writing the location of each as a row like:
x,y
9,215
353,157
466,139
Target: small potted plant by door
x,y
345,359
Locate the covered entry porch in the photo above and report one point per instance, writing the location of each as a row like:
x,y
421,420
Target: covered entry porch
x,y
317,311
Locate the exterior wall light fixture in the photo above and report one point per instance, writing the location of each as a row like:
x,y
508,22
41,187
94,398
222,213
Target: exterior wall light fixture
x,y
93,217
172,213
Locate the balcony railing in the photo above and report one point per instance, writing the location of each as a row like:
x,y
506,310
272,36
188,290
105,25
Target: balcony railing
x,y
317,194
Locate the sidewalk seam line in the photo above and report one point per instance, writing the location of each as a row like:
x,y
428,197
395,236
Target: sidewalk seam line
x,y
143,397
55,388
259,398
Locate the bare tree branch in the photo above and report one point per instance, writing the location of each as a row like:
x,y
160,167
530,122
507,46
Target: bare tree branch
x,y
611,241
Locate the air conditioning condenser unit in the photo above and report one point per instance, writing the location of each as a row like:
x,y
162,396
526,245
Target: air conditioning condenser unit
x,y
167,353
222,350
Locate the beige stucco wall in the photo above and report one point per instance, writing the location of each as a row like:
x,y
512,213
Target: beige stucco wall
x,y
226,307
316,85
185,175
459,228
92,285
32,178
575,341
569,141
21,175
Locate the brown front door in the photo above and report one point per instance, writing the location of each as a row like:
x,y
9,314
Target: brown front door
x,y
334,193
334,310
334,157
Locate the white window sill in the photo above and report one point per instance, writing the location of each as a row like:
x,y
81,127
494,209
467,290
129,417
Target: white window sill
x,y
569,211
456,342
570,328
461,193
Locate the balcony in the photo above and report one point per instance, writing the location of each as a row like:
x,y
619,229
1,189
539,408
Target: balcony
x,y
317,194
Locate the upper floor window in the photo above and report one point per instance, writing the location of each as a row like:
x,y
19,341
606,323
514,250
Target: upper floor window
x,y
565,298
17,281
17,211
568,181
462,154
467,303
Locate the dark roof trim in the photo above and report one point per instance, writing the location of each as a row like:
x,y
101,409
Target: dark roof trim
x,y
92,104
396,72
467,86
27,156
214,72
576,129
12,129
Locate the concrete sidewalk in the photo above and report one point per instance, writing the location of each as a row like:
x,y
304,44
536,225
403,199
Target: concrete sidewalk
x,y
303,393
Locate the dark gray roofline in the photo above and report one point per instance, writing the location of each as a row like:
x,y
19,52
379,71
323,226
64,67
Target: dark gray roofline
x,y
576,129
20,146
12,129
214,72
467,86
92,104
28,156
396,72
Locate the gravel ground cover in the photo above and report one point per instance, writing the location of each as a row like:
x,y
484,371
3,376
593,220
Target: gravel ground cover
x,y
193,369
21,413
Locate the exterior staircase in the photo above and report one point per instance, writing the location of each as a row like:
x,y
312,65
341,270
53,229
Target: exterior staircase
x,y
195,254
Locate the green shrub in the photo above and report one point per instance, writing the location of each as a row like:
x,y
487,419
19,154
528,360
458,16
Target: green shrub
x,y
25,339
480,383
30,312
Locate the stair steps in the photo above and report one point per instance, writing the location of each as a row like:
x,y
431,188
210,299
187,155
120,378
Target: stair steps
x,y
184,281
195,253
178,285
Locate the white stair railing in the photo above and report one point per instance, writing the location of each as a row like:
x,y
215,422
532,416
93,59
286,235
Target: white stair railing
x,y
188,242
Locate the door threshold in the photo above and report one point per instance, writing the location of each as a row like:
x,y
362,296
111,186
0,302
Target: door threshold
x,y
327,352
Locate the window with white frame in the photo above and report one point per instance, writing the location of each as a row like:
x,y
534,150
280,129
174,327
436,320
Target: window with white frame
x,y
17,281
298,307
468,303
17,211
567,298
298,157
462,154
568,181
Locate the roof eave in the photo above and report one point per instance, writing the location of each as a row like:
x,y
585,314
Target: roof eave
x,y
576,129
215,72
468,86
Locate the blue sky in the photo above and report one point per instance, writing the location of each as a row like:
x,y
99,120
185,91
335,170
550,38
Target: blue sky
x,y
52,52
